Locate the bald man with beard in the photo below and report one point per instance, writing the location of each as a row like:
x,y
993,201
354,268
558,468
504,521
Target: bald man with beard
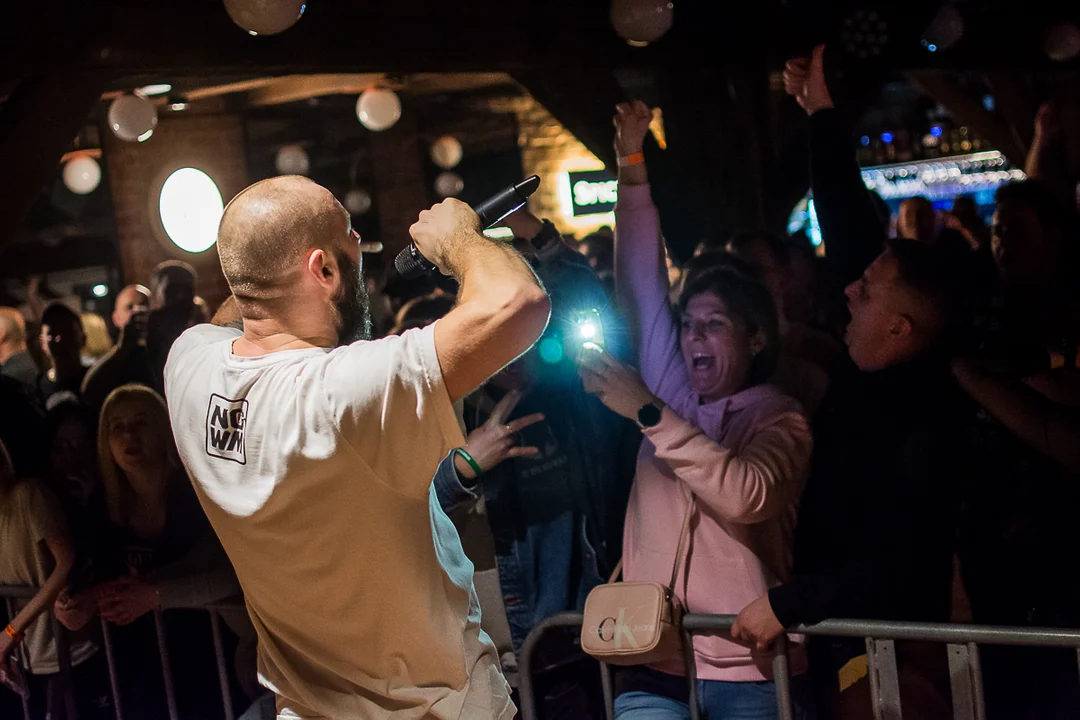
x,y
312,450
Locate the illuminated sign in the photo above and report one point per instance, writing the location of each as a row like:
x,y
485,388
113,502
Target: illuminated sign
x,y
593,192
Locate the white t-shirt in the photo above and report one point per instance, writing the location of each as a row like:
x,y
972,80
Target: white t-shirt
x,y
315,467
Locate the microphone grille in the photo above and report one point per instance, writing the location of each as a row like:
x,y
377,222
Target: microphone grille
x,y
410,263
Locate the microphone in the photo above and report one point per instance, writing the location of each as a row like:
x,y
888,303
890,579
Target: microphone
x,y
410,263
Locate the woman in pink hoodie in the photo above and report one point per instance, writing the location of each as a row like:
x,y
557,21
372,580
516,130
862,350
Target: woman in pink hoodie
x,y
716,432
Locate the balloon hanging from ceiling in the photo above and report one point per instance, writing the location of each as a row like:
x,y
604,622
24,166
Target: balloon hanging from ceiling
x,y
82,175
449,184
357,201
640,22
378,108
945,30
265,17
446,152
132,118
292,160
1062,42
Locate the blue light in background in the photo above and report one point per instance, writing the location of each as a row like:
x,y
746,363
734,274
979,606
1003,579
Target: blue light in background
x,y
936,131
865,140
550,350
886,138
932,47
989,103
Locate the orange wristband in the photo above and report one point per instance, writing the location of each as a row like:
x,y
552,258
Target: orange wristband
x,y
634,159
13,633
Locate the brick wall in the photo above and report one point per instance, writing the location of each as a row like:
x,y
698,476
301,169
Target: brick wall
x,y
211,143
550,151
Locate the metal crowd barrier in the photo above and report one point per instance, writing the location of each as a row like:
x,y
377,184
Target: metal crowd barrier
x,y
63,643
963,643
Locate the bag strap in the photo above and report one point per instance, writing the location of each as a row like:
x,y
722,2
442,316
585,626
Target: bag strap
x,y
684,533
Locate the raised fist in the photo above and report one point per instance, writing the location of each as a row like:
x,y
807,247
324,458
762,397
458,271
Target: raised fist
x,y
631,124
804,79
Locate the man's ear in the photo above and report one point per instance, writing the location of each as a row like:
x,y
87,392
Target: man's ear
x,y
321,267
902,326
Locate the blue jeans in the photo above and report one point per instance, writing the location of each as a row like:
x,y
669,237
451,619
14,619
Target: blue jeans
x,y
719,701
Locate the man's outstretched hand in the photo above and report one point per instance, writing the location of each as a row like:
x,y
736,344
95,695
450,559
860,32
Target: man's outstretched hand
x,y
804,79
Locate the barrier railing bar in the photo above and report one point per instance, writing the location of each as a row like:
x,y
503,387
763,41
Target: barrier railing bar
x,y
526,692
691,673
608,687
884,679
782,678
960,680
975,663
21,656
223,672
17,592
896,630
166,666
63,657
110,661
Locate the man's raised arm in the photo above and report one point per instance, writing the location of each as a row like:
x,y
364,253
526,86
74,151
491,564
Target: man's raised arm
x,y
502,309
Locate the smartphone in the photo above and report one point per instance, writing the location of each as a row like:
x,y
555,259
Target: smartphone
x,y
587,328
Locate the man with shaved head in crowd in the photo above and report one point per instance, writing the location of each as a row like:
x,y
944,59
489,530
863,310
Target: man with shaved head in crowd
x,y
313,449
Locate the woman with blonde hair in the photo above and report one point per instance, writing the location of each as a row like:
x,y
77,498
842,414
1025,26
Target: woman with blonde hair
x,y
159,553
98,341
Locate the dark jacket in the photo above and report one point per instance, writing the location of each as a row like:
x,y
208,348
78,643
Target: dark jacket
x,y
878,517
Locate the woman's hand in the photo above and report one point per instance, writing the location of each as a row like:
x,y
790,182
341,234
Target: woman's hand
x,y
616,385
631,125
494,441
126,600
74,612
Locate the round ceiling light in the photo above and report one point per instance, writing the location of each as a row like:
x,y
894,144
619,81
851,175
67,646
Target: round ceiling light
x,y
190,207
155,89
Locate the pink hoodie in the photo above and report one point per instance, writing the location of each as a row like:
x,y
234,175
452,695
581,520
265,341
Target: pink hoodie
x,y
745,458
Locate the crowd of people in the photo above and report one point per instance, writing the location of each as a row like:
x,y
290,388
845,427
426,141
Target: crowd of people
x,y
888,432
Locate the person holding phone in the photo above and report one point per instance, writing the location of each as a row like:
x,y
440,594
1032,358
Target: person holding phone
x,y
128,361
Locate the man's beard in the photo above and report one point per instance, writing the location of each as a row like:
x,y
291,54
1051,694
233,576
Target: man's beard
x,y
354,306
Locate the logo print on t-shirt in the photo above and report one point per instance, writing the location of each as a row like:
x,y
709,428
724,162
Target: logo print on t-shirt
x,y
226,421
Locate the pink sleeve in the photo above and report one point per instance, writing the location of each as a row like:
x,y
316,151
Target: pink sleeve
x,y
642,285
747,487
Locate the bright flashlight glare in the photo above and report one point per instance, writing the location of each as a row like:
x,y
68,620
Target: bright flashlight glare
x,y
587,330
100,290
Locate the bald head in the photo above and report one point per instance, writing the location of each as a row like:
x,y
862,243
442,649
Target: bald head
x,y
266,231
128,302
12,332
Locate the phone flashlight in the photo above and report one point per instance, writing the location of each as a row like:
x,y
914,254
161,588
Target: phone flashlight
x,y
588,328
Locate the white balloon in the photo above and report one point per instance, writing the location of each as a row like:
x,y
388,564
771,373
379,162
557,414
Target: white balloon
x,y
378,108
357,201
1062,42
82,175
292,160
945,30
265,17
641,22
449,184
132,118
446,152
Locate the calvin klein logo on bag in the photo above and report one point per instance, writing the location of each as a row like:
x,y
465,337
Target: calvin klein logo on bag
x,y
226,421
618,629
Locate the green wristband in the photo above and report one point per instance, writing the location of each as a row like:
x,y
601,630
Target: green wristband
x,y
469,459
